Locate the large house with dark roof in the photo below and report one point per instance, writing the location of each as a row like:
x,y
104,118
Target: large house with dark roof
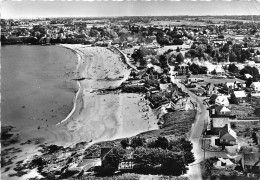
x,y
227,136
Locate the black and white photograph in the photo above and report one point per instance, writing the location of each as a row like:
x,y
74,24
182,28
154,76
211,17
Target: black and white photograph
x,y
130,90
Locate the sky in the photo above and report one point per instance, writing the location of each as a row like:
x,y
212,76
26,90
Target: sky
x,y
101,8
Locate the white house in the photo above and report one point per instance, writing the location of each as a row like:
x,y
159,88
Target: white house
x,y
223,163
222,100
222,110
240,96
247,76
255,86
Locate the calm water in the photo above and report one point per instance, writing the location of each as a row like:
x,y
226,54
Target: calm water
x,y
36,87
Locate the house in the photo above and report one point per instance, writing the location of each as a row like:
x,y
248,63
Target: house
x,y
227,136
222,100
223,164
183,69
220,122
255,86
248,76
230,85
219,70
169,87
222,110
211,89
250,161
240,96
108,158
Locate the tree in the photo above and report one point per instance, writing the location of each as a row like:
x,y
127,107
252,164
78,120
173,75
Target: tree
x,y
196,69
179,58
161,142
163,61
143,62
233,99
233,68
171,162
214,72
138,55
250,70
233,57
137,142
124,143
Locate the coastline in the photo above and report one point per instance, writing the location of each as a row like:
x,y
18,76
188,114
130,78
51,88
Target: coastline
x,y
79,57
94,117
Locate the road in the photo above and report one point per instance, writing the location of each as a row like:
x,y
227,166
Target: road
x,y
202,117
200,124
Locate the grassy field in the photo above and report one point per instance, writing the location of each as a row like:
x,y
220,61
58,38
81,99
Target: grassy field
x,y
245,129
176,124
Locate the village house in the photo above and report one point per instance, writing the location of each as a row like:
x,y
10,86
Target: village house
x,y
217,123
183,69
231,85
248,76
222,111
224,164
240,96
211,89
184,104
255,86
251,161
227,137
220,100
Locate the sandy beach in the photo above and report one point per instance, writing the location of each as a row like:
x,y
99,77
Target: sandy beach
x,y
95,117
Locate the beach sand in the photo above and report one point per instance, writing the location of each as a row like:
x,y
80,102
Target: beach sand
x,y
95,117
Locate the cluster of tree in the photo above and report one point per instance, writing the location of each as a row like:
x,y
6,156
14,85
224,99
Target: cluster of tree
x,y
139,54
233,68
253,71
196,69
169,38
160,156
222,53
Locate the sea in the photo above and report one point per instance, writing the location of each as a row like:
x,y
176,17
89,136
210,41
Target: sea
x,y
37,86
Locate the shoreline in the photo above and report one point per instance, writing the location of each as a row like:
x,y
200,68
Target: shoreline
x,y
79,57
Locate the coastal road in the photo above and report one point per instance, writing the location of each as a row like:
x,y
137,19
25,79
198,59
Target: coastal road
x,y
200,123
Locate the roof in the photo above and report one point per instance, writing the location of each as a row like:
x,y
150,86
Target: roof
x,y
222,99
222,109
255,84
230,84
227,161
104,152
251,159
248,76
220,122
213,97
227,133
219,69
240,94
